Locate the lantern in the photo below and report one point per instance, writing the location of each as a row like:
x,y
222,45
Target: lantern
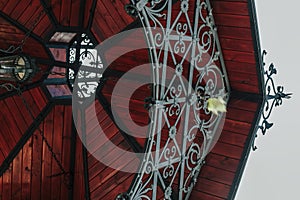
x,y
17,68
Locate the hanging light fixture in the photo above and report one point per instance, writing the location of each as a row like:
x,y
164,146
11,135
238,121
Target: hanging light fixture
x,y
16,68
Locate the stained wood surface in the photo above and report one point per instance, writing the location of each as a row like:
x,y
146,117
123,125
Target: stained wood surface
x,y
28,174
33,174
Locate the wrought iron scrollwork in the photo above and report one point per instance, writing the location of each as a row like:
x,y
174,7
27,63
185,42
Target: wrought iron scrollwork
x,y
88,77
171,165
273,98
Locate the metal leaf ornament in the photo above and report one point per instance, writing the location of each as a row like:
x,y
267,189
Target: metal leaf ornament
x,y
216,105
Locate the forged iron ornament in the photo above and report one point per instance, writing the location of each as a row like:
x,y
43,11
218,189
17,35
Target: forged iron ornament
x,y
273,98
186,63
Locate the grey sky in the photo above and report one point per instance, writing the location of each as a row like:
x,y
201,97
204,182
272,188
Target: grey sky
x,y
273,171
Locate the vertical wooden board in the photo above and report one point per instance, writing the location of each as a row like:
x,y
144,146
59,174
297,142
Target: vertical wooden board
x,y
9,7
1,183
100,23
27,14
43,27
26,169
66,147
115,13
111,24
37,163
121,9
39,98
57,149
211,187
87,12
34,110
75,13
7,183
37,10
65,12
2,157
6,132
122,187
3,3
22,110
56,8
234,8
228,150
19,9
202,195
18,118
79,188
47,158
17,177
11,119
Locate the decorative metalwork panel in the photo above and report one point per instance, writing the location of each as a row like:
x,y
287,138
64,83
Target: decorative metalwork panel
x,y
89,59
187,70
273,98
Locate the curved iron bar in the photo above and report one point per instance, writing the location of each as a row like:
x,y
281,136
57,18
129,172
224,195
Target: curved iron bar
x,y
175,157
273,98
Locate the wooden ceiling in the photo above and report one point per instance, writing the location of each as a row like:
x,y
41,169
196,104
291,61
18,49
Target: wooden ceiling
x,y
28,171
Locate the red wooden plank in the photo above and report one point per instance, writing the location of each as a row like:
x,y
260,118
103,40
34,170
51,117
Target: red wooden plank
x,y
243,104
126,17
237,33
37,160
74,14
244,78
19,9
9,7
100,24
3,3
122,187
237,126
6,133
232,20
7,184
79,190
243,87
237,45
1,182
233,138
214,188
111,27
114,12
237,56
234,8
22,110
44,26
218,175
227,150
239,67
18,118
17,177
12,120
65,12
26,169
87,12
202,195
240,115
34,110
57,149
56,7
66,147
222,162
47,158
27,14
